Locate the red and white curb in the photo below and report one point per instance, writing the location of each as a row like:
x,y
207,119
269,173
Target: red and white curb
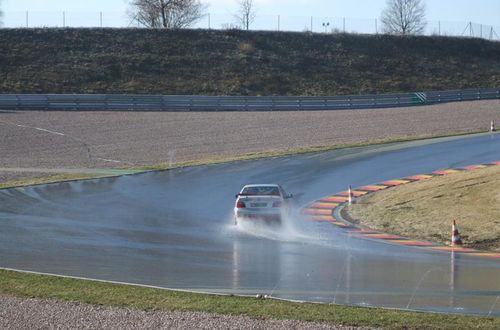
x,y
327,210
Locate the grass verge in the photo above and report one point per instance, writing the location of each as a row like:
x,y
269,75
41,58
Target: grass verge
x,y
425,209
48,179
25,285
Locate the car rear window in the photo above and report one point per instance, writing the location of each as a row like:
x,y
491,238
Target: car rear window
x,y
262,191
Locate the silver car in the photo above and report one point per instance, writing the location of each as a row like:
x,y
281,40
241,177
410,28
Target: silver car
x,y
261,202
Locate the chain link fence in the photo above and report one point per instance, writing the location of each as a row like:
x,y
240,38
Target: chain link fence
x,y
35,19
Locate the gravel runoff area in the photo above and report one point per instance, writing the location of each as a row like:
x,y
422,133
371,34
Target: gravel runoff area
x,y
47,314
42,140
37,142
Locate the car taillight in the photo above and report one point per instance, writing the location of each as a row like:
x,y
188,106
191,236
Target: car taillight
x,y
240,205
277,204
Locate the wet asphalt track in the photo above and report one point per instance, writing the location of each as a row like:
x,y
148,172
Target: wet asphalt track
x,y
173,229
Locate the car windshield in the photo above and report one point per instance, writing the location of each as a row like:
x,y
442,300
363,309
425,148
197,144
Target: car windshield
x,y
261,190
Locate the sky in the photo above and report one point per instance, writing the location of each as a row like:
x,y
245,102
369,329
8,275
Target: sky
x,y
479,11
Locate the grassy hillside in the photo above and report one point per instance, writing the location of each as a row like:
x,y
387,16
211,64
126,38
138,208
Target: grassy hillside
x,y
238,62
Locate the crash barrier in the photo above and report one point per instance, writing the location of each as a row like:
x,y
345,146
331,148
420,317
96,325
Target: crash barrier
x,y
84,102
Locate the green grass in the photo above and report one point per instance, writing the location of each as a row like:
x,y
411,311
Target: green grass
x,y
209,62
48,179
91,292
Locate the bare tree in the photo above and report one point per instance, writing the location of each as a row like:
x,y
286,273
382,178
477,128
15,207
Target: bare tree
x,y
246,13
168,14
404,17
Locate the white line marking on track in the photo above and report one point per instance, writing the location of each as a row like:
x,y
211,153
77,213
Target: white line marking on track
x,y
109,160
49,131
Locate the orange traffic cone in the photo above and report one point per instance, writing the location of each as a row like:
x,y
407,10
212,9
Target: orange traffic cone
x,y
455,236
351,196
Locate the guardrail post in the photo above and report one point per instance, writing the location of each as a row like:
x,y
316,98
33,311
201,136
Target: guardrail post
x,y
350,102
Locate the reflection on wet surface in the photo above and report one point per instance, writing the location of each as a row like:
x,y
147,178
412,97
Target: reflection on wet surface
x,y
174,229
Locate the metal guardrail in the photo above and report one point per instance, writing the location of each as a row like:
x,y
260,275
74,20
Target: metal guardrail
x,y
111,102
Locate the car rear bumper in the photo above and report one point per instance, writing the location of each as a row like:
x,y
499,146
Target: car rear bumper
x,y
258,216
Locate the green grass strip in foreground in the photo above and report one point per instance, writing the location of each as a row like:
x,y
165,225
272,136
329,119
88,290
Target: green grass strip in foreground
x,y
26,285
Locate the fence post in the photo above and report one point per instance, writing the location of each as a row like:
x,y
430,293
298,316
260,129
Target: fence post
x,y
439,28
100,19
311,24
344,24
278,23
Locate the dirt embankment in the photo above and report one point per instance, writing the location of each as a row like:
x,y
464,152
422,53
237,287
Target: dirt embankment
x,y
212,62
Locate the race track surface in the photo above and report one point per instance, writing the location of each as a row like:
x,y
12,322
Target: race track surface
x,y
174,229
